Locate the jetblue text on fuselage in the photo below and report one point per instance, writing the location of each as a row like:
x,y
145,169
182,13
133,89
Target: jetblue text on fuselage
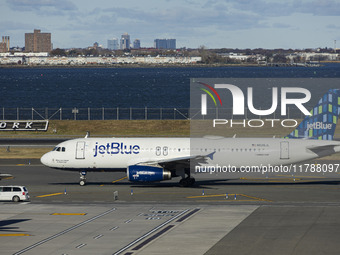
x,y
115,148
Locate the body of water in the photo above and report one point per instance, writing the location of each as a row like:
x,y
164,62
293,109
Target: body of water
x,y
126,87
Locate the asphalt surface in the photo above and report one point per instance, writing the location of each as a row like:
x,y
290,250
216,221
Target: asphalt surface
x,y
277,214
42,142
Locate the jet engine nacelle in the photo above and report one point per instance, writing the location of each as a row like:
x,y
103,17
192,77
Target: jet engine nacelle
x,y
140,173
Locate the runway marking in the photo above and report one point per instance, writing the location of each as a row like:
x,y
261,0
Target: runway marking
x,y
63,232
231,197
50,195
80,246
167,228
188,215
69,214
14,235
98,236
150,232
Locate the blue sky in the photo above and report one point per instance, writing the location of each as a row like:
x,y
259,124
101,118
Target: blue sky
x,y
213,23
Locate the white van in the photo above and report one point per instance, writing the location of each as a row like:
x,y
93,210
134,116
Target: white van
x,y
14,193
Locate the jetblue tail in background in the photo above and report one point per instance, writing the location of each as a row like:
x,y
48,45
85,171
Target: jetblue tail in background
x,y
322,123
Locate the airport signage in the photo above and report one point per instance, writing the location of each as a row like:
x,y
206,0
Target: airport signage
x,y
23,125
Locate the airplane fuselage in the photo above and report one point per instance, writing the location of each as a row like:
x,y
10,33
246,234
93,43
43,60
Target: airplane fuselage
x,y
113,154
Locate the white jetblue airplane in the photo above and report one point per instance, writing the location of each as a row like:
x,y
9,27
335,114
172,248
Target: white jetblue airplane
x,y
157,159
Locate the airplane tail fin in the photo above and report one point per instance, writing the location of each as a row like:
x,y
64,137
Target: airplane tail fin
x,y
322,122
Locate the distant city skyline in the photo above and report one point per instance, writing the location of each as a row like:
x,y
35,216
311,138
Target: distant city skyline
x,y
212,23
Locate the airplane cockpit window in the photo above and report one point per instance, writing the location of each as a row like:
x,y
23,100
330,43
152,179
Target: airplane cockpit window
x,y
63,149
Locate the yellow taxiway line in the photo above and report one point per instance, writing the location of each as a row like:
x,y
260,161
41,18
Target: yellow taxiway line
x,y
50,195
120,179
116,180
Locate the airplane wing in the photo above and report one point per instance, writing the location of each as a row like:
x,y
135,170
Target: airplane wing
x,y
182,161
324,150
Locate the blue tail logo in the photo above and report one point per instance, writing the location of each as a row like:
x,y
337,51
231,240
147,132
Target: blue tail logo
x,y
322,122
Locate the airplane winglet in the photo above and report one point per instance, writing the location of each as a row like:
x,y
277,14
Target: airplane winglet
x,y
211,155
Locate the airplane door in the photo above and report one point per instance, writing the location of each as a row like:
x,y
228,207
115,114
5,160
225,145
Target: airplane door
x,y
284,152
80,150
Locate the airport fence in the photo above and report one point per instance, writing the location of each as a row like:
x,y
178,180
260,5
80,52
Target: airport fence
x,y
131,114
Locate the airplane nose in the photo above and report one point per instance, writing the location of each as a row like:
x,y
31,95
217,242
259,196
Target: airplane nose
x,y
45,159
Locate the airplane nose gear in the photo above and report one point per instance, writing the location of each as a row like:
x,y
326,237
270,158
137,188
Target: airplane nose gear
x,y
82,178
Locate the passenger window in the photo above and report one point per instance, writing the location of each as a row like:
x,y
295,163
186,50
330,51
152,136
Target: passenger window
x,y
7,189
0,189
158,151
16,189
165,151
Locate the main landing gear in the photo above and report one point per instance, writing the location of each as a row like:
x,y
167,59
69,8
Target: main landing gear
x,y
188,181
82,181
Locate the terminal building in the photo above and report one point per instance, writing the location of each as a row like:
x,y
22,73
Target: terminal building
x,y
38,42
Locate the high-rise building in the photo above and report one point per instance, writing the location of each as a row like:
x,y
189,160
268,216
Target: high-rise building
x,y
125,41
136,44
160,43
38,42
165,44
112,44
171,44
4,45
